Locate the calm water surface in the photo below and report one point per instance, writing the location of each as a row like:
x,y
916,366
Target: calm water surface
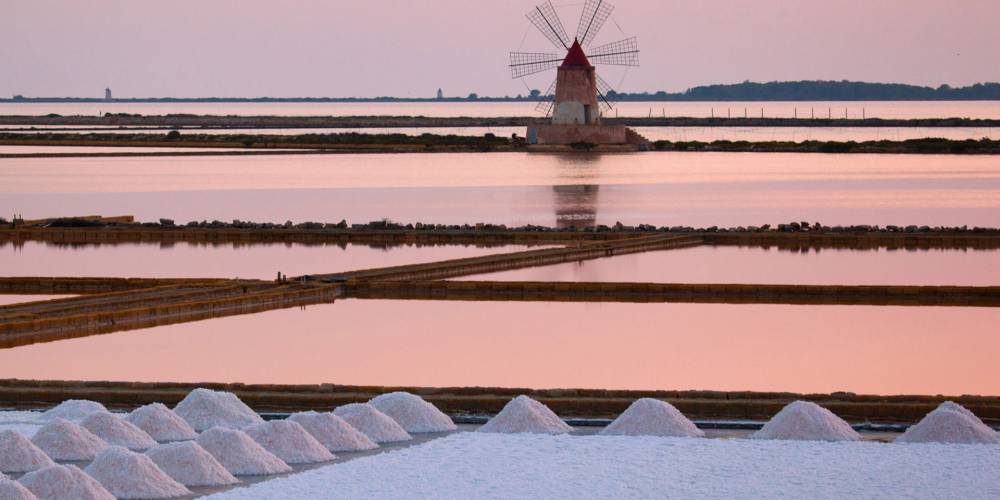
x,y
730,264
885,350
698,189
853,109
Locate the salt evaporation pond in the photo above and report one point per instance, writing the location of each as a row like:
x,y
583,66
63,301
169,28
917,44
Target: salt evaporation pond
x,y
862,349
669,188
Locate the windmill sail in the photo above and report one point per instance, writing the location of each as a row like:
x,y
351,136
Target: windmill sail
x,y
544,18
621,53
606,93
595,13
528,63
548,100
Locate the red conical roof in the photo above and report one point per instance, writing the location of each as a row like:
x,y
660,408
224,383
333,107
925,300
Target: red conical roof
x,y
576,57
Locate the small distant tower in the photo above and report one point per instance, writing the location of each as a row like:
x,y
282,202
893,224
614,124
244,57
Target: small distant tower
x,y
107,93
440,94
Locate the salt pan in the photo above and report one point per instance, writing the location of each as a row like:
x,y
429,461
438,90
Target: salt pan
x,y
333,432
806,421
74,409
189,464
61,439
127,474
19,454
950,423
289,441
378,426
652,417
523,414
117,432
61,482
240,454
204,409
413,413
12,490
161,423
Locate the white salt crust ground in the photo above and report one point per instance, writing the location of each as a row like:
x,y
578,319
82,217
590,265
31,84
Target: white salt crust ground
x,y
19,454
523,414
117,432
13,490
127,474
62,440
950,423
289,441
652,417
333,432
161,423
62,482
240,454
189,464
477,465
412,413
805,420
378,426
25,422
203,409
74,409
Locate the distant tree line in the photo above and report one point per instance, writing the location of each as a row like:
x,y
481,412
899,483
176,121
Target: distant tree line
x,y
814,90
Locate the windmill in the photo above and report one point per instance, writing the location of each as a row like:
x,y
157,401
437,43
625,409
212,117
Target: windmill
x,y
578,93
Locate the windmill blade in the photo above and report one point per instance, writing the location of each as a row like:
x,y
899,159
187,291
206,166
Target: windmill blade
x,y
544,18
604,91
528,63
595,13
621,53
548,101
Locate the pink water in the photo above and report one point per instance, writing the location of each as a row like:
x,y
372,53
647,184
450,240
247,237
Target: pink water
x,y
884,350
698,189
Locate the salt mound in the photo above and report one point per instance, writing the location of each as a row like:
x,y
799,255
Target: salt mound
x,y
652,417
74,409
378,426
61,482
189,464
127,474
525,415
806,421
161,423
240,454
289,441
117,432
948,424
204,409
333,432
61,439
19,454
12,490
413,413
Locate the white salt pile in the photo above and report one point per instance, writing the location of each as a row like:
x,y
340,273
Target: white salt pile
x,y
378,426
19,454
204,409
950,423
161,423
12,490
74,409
60,482
61,439
652,417
289,441
117,432
413,413
333,432
127,474
240,454
806,421
525,415
189,464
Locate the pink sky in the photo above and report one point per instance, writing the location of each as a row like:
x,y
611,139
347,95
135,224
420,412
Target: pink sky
x,y
247,48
